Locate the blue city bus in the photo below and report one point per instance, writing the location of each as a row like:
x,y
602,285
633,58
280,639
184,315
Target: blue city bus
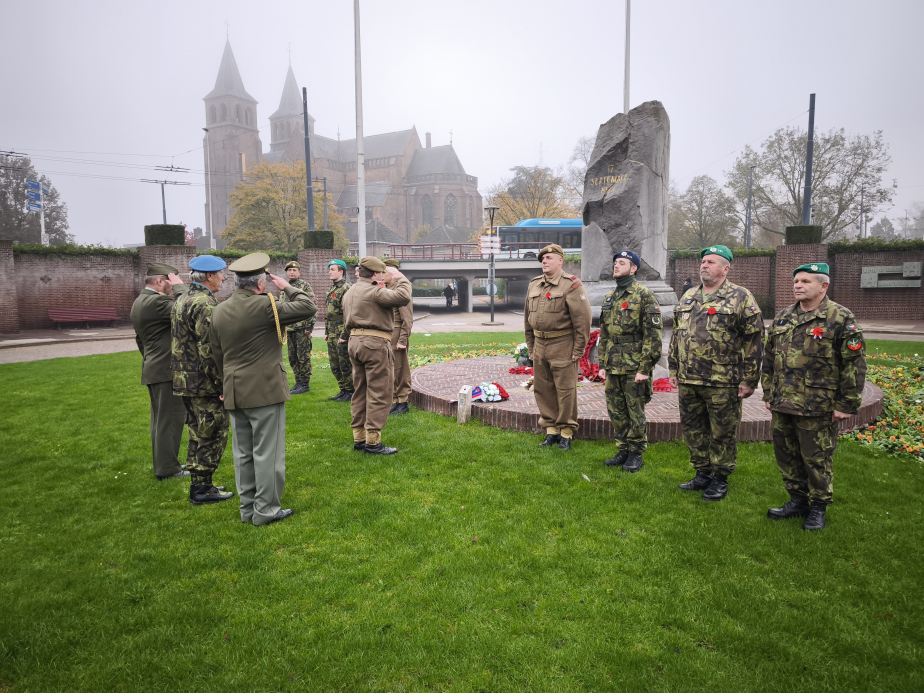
x,y
529,236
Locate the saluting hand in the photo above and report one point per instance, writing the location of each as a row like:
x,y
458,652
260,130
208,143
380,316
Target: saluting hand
x,y
278,282
173,279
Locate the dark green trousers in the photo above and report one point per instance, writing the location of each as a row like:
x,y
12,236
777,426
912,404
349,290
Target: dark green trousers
x,y
804,449
339,356
167,416
300,355
709,417
625,402
207,422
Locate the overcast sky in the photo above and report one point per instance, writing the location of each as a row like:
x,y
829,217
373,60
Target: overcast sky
x,y
123,82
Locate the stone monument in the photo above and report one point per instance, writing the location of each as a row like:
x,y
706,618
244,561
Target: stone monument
x,y
626,203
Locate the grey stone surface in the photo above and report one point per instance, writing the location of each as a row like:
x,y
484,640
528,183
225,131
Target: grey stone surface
x,y
626,193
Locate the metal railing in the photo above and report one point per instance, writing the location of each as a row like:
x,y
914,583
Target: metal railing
x,y
464,251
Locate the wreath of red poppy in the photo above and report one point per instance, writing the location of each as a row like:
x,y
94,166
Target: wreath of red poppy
x,y
591,371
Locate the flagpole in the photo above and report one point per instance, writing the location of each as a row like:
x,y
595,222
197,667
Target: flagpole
x,y
360,156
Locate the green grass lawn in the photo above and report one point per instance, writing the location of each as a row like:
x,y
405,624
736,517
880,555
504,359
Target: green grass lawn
x,y
470,561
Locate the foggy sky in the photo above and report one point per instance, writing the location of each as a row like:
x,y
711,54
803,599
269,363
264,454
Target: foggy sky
x,y
124,81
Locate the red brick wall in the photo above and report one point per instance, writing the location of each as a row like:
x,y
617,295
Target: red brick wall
x,y
753,273
313,263
72,281
875,304
9,308
788,257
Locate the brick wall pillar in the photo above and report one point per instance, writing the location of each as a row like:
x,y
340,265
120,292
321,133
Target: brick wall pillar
x,y
788,257
175,255
313,262
9,306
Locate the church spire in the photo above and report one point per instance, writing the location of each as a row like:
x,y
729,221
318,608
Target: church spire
x,y
291,102
229,82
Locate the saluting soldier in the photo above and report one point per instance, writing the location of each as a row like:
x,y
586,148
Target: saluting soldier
x,y
299,335
369,318
714,359
150,317
629,347
247,335
335,334
400,344
196,378
814,373
557,322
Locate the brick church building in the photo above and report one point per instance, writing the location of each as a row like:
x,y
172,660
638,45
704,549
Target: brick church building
x,y
407,183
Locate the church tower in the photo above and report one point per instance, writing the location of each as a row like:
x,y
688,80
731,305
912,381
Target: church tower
x,y
287,123
232,141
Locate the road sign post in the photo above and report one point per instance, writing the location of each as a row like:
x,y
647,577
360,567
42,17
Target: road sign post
x,y
35,192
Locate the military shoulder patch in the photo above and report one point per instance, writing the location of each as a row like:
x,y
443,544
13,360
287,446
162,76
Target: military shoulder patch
x,y
754,309
688,301
855,344
576,284
852,328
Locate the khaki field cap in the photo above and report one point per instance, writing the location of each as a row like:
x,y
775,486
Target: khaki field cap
x,y
255,263
293,264
372,263
554,248
158,268
391,262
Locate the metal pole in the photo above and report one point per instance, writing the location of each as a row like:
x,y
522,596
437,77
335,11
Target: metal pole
x,y
862,234
308,189
208,185
163,202
750,197
42,211
625,86
807,196
325,203
360,156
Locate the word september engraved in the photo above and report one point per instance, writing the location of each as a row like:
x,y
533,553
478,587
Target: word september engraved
x,y
608,180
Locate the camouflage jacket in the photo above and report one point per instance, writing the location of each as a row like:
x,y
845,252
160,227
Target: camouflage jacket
x,y
814,362
333,321
717,341
194,371
283,297
630,331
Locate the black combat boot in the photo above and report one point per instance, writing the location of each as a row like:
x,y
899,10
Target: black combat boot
x,y
400,408
201,494
633,462
379,449
718,489
300,389
816,517
697,483
359,446
345,396
550,440
618,460
336,398
797,507
564,443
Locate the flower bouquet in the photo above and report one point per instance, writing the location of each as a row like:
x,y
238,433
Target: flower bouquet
x,y
489,392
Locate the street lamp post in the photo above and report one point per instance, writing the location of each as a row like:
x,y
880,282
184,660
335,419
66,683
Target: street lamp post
x,y
750,198
491,209
208,185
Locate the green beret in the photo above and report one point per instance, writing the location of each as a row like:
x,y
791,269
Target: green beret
x,y
337,262
391,262
255,263
813,268
156,269
372,263
720,250
292,264
554,248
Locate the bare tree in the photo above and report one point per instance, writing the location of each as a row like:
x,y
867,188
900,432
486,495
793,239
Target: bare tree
x,y
576,170
703,215
534,192
17,223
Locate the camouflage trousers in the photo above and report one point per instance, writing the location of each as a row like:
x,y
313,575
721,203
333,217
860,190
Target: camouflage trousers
x,y
709,417
300,353
339,356
207,422
804,448
625,402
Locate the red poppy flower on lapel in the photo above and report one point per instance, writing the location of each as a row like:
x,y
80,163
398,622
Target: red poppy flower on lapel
x,y
548,294
817,332
711,311
625,305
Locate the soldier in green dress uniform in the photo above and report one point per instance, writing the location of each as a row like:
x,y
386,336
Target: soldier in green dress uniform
x,y
299,335
714,358
814,373
629,347
336,334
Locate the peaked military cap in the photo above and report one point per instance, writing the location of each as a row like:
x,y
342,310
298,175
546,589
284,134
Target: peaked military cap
x,y
720,250
628,254
157,268
372,263
292,265
391,262
813,268
207,263
337,262
254,263
553,248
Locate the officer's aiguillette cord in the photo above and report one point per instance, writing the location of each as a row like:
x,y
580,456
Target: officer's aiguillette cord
x,y
282,340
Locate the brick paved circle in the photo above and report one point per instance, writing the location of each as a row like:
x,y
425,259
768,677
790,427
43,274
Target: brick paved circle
x,y
436,387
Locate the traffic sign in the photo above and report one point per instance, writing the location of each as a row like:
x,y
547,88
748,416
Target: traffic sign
x,y
33,184
35,207
44,239
32,195
492,289
44,190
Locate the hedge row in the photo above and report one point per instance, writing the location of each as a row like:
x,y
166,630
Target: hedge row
x,y
874,245
736,252
72,250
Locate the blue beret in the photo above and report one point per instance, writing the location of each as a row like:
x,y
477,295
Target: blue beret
x,y
633,258
207,263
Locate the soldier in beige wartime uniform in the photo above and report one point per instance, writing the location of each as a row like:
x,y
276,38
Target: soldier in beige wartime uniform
x,y
150,317
714,358
369,317
814,373
247,335
557,322
629,348
299,335
400,344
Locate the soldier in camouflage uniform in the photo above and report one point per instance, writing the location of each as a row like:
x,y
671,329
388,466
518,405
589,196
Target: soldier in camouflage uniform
x,y
196,378
299,335
629,348
714,359
814,373
336,334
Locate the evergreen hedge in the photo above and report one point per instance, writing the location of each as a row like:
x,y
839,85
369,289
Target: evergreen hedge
x,y
68,250
804,235
164,234
736,253
232,253
874,245
319,239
